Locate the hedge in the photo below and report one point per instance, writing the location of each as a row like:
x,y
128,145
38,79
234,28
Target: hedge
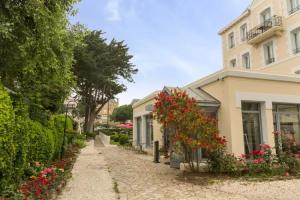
x,y
24,141
7,147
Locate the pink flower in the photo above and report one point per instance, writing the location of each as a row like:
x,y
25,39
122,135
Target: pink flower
x,y
297,155
265,146
258,152
258,161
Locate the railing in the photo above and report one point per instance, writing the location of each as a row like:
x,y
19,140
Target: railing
x,y
295,9
265,26
297,50
270,60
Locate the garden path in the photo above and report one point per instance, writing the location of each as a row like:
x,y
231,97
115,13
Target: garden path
x,y
90,176
139,178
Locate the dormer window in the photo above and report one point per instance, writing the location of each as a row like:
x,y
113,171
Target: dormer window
x,y
293,6
296,40
269,53
231,42
243,31
246,60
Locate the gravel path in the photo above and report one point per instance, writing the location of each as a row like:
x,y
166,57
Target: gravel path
x,y
91,179
140,179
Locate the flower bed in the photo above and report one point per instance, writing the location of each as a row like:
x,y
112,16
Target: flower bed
x,y
46,181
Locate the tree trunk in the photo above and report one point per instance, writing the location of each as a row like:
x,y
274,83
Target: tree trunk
x,y
90,123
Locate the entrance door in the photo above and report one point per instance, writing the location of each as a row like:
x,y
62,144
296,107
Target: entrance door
x,y
251,126
138,131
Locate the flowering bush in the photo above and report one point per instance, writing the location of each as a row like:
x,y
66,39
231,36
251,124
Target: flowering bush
x,y
258,161
288,151
192,130
45,179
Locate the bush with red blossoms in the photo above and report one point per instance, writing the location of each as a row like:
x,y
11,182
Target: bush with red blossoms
x,y
192,129
40,186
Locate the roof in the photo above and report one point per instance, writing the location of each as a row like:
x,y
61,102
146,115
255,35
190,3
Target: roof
x,y
147,98
219,75
237,20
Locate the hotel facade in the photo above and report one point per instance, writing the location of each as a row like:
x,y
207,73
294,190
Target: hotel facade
x,y
258,90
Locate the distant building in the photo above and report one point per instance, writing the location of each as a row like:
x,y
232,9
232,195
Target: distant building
x,y
105,113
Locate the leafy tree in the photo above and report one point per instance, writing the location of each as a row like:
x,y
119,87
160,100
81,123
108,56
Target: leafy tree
x,y
122,113
100,67
36,49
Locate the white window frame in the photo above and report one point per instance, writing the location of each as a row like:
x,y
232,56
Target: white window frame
x,y
231,40
263,15
246,63
243,32
295,39
269,53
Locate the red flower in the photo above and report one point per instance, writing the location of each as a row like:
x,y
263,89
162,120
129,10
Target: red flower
x,y
297,155
38,191
265,146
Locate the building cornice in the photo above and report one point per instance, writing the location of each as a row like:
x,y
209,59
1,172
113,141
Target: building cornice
x,y
220,75
146,99
234,22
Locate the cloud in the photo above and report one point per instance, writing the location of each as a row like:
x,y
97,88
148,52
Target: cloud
x,y
113,10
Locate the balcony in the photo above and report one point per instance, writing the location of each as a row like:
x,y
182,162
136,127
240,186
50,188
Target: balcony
x,y
269,28
294,9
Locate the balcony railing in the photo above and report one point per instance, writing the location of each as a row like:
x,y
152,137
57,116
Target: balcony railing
x,y
275,21
297,50
270,60
295,9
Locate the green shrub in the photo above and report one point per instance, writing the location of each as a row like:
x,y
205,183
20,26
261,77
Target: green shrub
x,y
80,143
123,139
115,137
90,135
7,147
41,147
221,162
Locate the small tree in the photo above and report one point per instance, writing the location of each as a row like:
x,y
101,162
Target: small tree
x,y
192,129
122,113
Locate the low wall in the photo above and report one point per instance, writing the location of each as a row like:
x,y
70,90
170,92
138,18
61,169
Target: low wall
x,y
104,138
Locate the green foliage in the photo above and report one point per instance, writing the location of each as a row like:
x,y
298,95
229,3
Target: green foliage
x,y
36,49
80,143
7,145
122,113
221,162
41,147
99,68
90,135
123,139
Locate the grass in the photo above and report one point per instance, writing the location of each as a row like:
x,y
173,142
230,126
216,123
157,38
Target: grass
x,y
116,188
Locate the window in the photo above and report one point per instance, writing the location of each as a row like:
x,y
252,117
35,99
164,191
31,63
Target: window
x,y
231,42
293,6
265,16
269,53
243,31
296,40
246,60
138,130
287,121
233,63
251,126
149,131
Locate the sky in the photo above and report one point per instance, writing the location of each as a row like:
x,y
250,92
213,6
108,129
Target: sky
x,y
173,42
